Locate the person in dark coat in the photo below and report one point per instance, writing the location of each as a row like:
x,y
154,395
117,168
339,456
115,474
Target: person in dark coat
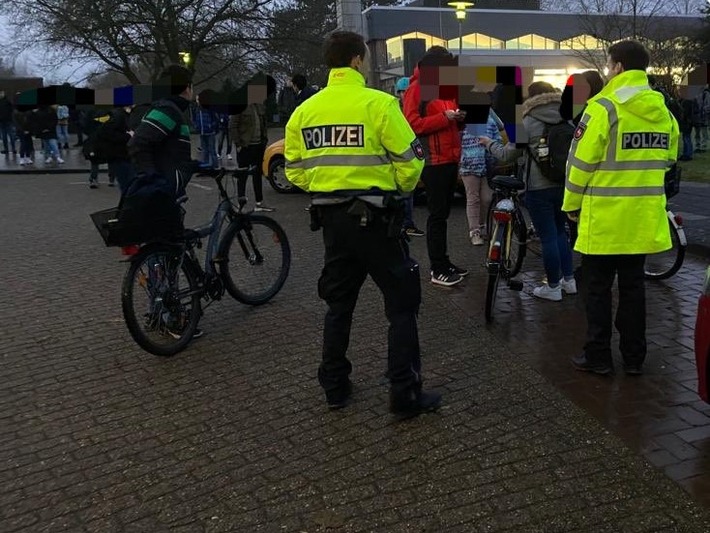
x,y
7,129
93,119
686,128
111,141
303,90
21,120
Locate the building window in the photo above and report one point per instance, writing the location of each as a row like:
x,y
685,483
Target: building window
x,y
581,42
532,42
395,50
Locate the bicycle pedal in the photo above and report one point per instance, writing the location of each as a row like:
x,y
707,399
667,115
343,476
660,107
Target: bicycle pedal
x,y
515,285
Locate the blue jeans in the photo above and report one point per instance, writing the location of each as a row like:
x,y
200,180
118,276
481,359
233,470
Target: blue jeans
x,y
209,150
51,148
7,130
545,207
62,134
687,145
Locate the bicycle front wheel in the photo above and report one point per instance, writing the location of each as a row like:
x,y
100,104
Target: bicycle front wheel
x,y
255,259
161,300
665,264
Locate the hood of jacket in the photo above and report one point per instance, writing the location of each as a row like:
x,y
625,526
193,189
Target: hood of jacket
x,y
543,107
631,87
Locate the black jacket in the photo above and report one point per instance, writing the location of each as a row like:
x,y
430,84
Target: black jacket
x,y
161,143
112,137
6,108
44,123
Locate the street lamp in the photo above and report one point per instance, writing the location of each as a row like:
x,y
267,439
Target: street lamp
x,y
460,8
185,56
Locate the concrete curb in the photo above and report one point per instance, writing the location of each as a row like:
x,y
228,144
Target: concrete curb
x,y
42,171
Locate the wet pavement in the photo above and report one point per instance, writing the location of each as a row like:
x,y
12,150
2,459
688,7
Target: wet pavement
x,y
659,414
233,434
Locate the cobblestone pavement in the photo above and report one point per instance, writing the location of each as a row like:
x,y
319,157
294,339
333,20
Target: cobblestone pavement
x,y
233,434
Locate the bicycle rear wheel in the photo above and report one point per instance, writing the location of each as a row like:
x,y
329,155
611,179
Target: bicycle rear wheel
x,y
495,267
255,259
160,300
518,244
665,264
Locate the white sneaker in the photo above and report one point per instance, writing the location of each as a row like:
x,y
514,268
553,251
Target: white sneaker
x,y
570,287
475,237
60,160
22,161
28,161
547,293
49,160
229,157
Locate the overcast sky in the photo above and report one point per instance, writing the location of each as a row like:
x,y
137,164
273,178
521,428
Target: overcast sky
x,y
31,62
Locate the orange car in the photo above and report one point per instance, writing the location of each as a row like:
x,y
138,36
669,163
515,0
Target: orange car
x,y
274,170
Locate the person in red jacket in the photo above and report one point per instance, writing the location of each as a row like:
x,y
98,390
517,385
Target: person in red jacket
x,y
437,123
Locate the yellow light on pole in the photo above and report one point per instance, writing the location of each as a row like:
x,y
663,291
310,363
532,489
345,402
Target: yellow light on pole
x,y
185,56
461,8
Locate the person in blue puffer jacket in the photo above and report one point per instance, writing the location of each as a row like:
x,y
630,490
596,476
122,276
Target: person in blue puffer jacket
x,y
473,169
206,123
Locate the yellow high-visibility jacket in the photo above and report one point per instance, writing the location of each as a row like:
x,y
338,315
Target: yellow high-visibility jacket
x,y
347,137
624,144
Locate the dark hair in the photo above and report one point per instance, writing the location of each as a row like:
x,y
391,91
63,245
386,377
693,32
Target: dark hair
x,y
177,78
631,54
299,80
437,56
595,81
539,87
341,47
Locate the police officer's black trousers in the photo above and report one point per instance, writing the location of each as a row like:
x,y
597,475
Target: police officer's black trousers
x,y
351,253
599,272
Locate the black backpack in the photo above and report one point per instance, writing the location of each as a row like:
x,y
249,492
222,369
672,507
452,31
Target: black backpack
x,y
559,139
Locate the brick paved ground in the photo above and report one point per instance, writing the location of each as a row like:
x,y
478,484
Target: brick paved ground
x,y
232,434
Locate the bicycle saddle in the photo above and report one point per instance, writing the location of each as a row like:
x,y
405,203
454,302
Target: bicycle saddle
x,y
508,182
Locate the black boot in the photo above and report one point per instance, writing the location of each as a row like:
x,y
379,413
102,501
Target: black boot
x,y
413,402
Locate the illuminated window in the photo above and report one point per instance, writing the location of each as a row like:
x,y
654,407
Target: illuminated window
x,y
395,45
476,40
531,42
430,40
395,50
581,42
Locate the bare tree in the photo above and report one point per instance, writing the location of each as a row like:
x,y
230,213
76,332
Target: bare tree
x,y
138,38
608,21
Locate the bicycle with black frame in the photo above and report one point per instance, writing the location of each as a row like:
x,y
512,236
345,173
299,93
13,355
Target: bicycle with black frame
x,y
165,284
507,233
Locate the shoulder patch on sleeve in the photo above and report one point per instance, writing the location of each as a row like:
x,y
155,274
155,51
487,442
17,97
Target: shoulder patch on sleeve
x,y
418,149
581,127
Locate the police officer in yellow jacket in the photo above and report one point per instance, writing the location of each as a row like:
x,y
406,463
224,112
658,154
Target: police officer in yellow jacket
x,y
353,150
622,147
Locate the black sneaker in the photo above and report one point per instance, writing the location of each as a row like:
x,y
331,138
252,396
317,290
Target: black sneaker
x,y
339,398
93,185
580,362
413,403
446,279
633,370
458,270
